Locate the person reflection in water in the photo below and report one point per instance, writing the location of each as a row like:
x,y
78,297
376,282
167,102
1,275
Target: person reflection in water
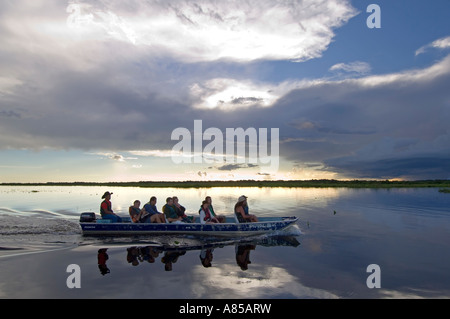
x,y
170,258
206,257
147,254
132,256
243,255
102,258
136,255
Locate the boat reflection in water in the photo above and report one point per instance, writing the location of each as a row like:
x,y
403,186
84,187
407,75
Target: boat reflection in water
x,y
170,253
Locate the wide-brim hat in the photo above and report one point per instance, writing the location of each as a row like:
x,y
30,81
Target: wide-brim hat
x,y
106,194
242,198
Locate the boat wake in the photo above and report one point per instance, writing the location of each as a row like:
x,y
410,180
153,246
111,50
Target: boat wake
x,y
19,225
35,231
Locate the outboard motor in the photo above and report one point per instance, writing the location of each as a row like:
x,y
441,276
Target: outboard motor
x,y
87,217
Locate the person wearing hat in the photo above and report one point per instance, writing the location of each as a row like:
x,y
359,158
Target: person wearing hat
x,y
241,211
105,209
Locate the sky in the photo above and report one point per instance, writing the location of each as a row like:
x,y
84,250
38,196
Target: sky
x,y
97,90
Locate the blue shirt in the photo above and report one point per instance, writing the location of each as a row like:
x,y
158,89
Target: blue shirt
x,y
151,209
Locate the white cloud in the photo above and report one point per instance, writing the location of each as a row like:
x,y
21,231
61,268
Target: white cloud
x,y
229,94
153,153
353,67
410,76
113,156
86,19
7,85
442,43
209,30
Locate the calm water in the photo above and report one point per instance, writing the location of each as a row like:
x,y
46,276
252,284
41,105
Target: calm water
x,y
340,232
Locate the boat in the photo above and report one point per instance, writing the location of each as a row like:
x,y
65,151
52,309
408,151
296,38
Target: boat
x,y
90,225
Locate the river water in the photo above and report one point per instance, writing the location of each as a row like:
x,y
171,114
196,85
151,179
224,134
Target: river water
x,y
340,233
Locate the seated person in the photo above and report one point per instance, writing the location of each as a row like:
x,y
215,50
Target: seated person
x,y
136,214
153,215
170,211
181,211
221,218
205,214
105,209
241,211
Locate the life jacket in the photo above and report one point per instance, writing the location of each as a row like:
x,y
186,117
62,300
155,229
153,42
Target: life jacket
x,y
134,211
208,215
102,211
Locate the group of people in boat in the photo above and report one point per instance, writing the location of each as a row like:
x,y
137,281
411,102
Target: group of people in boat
x,y
174,212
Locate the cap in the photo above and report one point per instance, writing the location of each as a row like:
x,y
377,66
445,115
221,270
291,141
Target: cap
x,y
106,193
242,198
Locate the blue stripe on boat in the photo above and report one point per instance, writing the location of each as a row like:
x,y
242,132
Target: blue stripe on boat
x,y
265,224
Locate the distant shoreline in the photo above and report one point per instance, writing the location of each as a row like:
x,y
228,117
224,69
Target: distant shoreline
x,y
253,183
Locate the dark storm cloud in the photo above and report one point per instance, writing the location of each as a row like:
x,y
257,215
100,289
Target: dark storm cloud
x,y
10,114
97,83
391,126
408,168
232,167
